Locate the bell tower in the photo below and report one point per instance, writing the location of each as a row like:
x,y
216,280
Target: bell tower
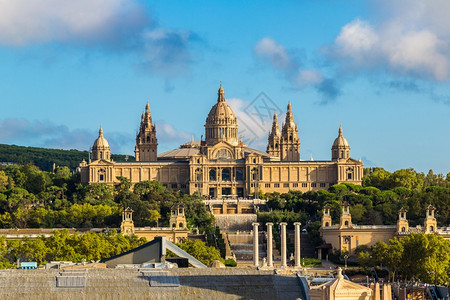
x,y
274,145
177,218
402,222
346,217
127,225
290,143
430,223
326,218
146,142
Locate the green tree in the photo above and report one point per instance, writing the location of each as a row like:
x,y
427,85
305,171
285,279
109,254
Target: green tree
x,y
200,251
390,256
365,260
4,180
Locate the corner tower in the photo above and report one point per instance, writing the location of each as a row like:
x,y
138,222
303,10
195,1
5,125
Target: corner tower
x,y
146,143
100,149
402,222
274,144
346,217
221,123
326,218
290,142
430,224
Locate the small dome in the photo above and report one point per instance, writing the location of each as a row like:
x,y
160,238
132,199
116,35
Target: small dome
x,y
340,141
101,142
216,264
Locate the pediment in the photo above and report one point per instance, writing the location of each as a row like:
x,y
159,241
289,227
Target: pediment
x,y
101,162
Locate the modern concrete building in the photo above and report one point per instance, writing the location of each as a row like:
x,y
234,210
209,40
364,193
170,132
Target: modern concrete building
x,y
221,164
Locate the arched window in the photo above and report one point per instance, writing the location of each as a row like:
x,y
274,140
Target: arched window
x,y
290,138
212,175
148,139
181,225
346,223
101,155
342,154
327,224
198,174
174,225
226,174
431,228
276,145
403,229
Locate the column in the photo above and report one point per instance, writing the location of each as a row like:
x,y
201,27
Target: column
x,y
283,244
255,245
269,244
297,244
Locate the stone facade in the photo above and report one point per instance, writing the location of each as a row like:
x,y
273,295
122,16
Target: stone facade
x,y
222,165
346,236
176,232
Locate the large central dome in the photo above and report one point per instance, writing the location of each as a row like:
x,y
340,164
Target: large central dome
x,y
221,123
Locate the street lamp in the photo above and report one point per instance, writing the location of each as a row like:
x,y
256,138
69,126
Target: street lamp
x,y
345,259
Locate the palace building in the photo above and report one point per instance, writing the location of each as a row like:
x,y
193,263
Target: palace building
x,y
221,164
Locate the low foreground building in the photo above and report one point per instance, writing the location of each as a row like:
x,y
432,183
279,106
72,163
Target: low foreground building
x,y
347,236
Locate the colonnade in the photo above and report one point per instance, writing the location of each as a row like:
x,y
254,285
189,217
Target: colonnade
x,y
297,256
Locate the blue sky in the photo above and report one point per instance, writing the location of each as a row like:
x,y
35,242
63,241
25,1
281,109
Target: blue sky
x,y
381,68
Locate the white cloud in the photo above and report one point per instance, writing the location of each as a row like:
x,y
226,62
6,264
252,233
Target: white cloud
x,y
276,55
83,21
114,25
412,38
170,137
269,50
308,77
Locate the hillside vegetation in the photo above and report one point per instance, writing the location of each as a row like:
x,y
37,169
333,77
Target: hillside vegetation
x,y
45,158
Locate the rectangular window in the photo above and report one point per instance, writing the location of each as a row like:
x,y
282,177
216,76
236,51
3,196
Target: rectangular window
x,y
295,185
101,177
313,185
240,192
349,176
267,185
239,175
183,186
322,185
277,185
164,185
286,185
174,185
304,185
226,191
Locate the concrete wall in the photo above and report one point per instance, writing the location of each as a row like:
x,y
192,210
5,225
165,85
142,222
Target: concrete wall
x,y
130,284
